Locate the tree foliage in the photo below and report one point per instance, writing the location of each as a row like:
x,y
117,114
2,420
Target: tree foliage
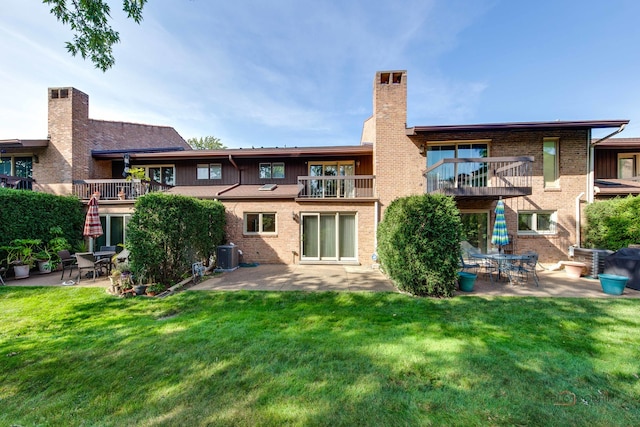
x,y
93,35
613,224
206,143
167,233
419,244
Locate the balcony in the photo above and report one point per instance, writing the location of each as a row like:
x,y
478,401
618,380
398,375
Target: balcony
x,y
484,177
16,182
336,187
116,189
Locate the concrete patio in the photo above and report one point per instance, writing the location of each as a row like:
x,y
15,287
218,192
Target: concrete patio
x,y
276,277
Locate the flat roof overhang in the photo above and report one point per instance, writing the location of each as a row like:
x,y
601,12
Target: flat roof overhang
x,y
333,151
581,124
24,143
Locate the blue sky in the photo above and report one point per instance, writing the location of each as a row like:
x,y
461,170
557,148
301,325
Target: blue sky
x,y
300,73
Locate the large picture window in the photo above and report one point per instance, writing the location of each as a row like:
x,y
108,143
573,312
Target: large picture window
x,y
164,174
537,222
260,223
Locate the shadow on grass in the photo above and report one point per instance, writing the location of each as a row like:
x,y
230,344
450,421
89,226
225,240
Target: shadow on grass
x,y
266,358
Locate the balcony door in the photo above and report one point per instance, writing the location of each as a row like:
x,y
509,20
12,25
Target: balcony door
x,y
328,237
332,187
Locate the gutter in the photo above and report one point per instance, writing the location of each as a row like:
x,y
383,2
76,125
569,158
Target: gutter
x,y
591,161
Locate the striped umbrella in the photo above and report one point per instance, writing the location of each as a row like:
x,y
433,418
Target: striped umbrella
x,y
92,225
500,236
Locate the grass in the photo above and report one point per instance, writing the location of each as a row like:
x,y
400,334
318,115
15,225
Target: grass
x,y
76,356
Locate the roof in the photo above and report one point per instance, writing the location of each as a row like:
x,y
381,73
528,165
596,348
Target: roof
x,y
24,143
617,143
335,151
583,124
222,192
613,187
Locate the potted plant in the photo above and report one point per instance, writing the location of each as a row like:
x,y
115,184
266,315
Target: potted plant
x,y
21,254
155,289
466,281
57,243
44,258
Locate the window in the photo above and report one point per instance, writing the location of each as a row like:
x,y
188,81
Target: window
x,y
550,163
628,165
538,222
260,223
467,174
164,174
271,170
209,171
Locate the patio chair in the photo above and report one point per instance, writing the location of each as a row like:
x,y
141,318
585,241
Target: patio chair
x,y
525,268
468,265
68,262
87,261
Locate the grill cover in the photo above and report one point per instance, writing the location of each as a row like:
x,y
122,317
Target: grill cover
x,y
625,262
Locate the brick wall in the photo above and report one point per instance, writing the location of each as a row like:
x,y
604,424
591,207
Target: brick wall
x,y
285,246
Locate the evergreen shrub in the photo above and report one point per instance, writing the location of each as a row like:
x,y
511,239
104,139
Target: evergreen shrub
x,y
419,244
33,215
612,224
167,233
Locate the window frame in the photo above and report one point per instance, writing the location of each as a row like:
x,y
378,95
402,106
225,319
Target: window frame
x,y
269,168
261,224
208,166
553,223
555,182
155,166
636,164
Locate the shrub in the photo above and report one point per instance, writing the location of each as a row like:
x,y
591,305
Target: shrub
x,y
167,233
612,224
419,244
34,215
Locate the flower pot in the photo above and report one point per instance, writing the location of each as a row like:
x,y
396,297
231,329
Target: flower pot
x,y
466,281
574,269
139,289
44,266
612,284
21,271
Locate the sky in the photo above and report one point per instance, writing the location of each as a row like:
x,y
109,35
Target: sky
x,y
300,73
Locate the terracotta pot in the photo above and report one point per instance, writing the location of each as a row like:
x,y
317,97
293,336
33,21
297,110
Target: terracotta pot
x,y
574,269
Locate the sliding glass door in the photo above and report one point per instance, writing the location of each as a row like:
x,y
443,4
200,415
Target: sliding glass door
x,y
328,236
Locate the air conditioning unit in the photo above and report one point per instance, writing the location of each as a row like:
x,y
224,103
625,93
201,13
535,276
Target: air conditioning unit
x,y
227,257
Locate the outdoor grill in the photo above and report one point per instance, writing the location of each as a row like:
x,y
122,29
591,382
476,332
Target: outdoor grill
x,y
625,262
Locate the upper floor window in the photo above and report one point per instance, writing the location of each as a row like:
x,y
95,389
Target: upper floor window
x,y
164,174
628,165
550,163
271,170
209,171
537,222
466,173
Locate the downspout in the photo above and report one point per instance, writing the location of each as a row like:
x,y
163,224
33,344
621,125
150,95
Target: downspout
x,y
578,221
591,161
233,162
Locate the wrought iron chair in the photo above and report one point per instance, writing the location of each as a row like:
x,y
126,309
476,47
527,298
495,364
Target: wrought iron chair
x,y
68,262
468,265
525,268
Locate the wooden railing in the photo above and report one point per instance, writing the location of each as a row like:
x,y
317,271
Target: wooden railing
x,y
481,177
336,187
116,189
16,182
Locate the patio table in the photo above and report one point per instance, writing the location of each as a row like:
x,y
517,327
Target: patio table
x,y
501,261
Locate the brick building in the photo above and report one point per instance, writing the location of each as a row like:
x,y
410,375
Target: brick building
x,y
323,204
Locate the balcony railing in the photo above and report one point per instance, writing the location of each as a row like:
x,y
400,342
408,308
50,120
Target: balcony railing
x,y
16,182
116,189
487,177
336,187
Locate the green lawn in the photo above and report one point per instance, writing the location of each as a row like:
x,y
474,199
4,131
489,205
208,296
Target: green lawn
x,y
76,356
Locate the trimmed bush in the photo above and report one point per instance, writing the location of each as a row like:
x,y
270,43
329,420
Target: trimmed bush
x,y
612,224
419,244
167,233
32,215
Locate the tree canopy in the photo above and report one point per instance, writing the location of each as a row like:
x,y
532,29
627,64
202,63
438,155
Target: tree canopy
x,y
89,21
206,143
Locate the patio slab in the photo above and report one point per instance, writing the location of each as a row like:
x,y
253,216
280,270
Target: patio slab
x,y
278,277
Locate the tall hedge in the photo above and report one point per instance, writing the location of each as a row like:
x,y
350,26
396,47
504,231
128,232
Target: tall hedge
x,y
419,244
612,224
30,215
167,233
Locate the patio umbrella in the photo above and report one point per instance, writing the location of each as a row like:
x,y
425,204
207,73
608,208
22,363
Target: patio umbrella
x,y
500,236
92,225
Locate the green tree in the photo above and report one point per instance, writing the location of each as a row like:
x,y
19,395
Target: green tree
x,y
206,143
93,36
